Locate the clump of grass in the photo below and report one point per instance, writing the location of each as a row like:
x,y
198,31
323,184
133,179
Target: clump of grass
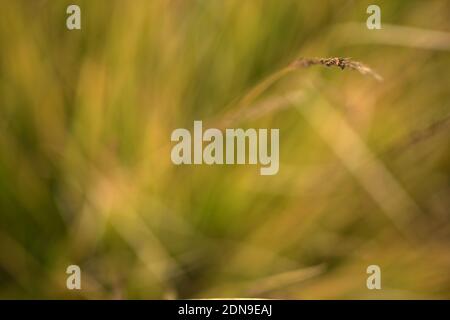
x,y
338,62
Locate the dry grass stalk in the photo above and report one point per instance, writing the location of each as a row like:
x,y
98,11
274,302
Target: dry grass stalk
x,y
338,62
256,91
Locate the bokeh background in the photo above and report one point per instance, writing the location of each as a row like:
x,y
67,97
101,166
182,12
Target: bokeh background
x,y
85,170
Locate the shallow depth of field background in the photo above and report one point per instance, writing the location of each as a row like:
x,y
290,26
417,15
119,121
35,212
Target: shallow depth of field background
x,y
86,176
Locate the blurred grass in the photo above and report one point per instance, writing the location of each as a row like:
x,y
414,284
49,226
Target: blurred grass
x,y
86,176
